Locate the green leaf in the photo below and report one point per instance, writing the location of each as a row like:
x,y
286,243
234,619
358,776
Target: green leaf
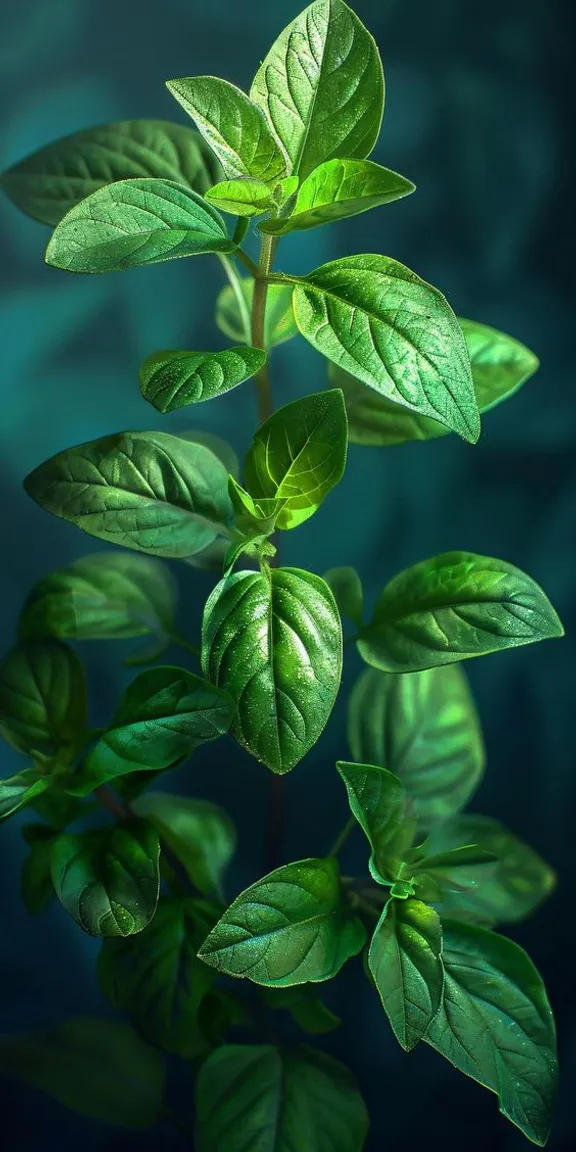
x,y
233,125
348,593
381,322
171,380
99,1068
243,196
453,607
500,364
199,833
36,888
496,1025
322,87
133,223
164,714
297,456
305,1008
264,1098
255,546
454,871
42,699
279,323
56,807
337,189
293,926
217,445
378,801
406,964
424,727
156,976
143,490
16,791
273,640
108,879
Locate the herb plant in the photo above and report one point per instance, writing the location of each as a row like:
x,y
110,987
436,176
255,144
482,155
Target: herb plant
x,y
291,155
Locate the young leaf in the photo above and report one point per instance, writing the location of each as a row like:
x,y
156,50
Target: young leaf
x,y
378,801
348,594
279,323
233,125
495,1024
36,887
241,197
16,791
305,1008
453,607
171,380
164,714
273,1100
457,870
381,322
297,456
424,727
109,879
157,978
99,1068
53,180
500,364
322,87
42,699
293,926
273,640
199,833
337,189
133,223
144,490
406,964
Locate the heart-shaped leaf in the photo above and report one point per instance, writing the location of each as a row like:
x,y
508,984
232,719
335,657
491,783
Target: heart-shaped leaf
x,y
43,699
337,189
171,380
406,964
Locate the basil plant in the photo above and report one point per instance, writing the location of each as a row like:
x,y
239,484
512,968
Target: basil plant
x,y
227,986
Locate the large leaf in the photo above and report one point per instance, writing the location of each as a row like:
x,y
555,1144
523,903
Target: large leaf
x,y
293,926
233,125
133,223
108,879
43,699
322,87
273,640
279,322
156,976
164,714
424,727
270,1100
17,791
241,197
496,1025
406,964
452,607
199,833
171,380
378,801
337,189
99,1068
144,490
297,456
381,322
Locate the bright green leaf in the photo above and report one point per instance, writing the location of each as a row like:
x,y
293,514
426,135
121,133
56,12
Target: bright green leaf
x,y
199,833
378,801
241,197
337,189
279,323
348,593
36,887
500,364
171,380
406,964
42,698
16,791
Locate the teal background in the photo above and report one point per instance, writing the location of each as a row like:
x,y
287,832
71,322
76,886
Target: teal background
x,y
479,115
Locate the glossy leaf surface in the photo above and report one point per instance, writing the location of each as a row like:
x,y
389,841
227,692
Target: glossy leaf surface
x,y
199,833
378,801
172,380
406,964
241,197
42,698
337,189
17,791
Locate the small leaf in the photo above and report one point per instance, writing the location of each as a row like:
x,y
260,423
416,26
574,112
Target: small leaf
x,y
454,871
133,223
338,189
108,880
273,641
378,320
297,456
378,801
243,196
322,87
496,1025
348,593
143,490
500,364
293,926
17,791
424,727
171,380
279,322
53,180
269,1099
99,1068
199,833
42,699
233,125
36,887
453,607
406,964
306,1009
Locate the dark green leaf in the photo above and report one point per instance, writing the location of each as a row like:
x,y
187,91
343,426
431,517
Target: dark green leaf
x,y
241,197
496,1025
199,833
144,490
305,1007
99,1068
42,699
171,380
36,888
457,870
348,593
133,223
378,801
406,964
453,607
337,189
217,445
58,808
279,324
273,640
293,926
16,791
381,322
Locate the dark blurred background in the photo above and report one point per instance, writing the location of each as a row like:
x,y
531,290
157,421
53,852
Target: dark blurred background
x,y
479,114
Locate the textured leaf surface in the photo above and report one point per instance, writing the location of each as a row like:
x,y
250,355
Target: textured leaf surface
x,y
274,643
349,596
378,801
171,379
42,698
16,791
241,197
337,189
293,926
405,961
279,324
200,834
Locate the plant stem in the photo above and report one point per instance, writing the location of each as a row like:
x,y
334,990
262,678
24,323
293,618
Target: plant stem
x,y
262,379
247,261
113,803
236,285
342,836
